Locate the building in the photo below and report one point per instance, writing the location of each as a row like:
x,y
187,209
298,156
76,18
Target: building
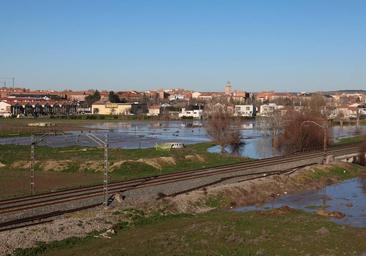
x,y
107,108
139,108
228,88
264,96
240,96
130,96
245,110
154,110
5,109
37,108
194,113
345,112
163,95
77,96
174,97
269,109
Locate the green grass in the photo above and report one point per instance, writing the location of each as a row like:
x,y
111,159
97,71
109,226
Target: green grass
x,y
337,172
217,233
350,140
15,180
12,153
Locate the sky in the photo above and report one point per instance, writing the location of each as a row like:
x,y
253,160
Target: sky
x,y
258,45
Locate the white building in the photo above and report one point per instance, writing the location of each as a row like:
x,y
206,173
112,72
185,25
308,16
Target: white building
x,y
176,97
195,95
205,96
154,110
196,113
268,109
245,110
107,108
362,111
228,88
5,109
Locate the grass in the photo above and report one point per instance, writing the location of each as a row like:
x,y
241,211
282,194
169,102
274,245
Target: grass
x,y
14,177
350,140
274,232
337,172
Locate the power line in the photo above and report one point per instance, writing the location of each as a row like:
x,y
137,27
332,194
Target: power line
x,y
8,78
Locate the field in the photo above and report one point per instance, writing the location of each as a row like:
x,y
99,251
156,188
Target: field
x,y
350,140
276,232
19,127
58,168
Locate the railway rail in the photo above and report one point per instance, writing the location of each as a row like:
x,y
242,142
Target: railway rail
x,y
19,204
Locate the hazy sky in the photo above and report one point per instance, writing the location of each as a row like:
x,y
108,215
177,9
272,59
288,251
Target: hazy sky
x,y
195,44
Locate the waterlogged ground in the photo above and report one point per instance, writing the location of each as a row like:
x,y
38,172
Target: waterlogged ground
x,y
146,134
347,197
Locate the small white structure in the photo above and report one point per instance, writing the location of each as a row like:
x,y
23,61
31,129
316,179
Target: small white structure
x,y
196,113
245,110
154,110
176,97
169,146
41,124
362,111
5,109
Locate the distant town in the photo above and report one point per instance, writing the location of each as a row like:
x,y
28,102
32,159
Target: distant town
x,y
175,103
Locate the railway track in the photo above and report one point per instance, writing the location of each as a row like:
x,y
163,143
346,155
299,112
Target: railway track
x,y
14,205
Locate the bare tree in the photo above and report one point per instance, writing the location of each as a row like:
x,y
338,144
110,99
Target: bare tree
x,y
299,134
271,125
222,127
316,104
341,117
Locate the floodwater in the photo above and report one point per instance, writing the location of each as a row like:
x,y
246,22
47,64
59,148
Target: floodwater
x,y
145,134
348,197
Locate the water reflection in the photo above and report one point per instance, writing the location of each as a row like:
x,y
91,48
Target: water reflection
x,y
348,197
145,134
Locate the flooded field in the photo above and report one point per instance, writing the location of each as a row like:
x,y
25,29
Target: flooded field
x,y
348,198
145,134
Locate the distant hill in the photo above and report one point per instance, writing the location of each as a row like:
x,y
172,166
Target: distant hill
x,y
345,91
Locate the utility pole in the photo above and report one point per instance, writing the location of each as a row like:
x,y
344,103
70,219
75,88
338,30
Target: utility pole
x,y
32,163
105,146
34,142
5,79
106,171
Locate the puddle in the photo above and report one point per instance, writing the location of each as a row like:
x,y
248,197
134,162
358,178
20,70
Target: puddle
x,y
348,197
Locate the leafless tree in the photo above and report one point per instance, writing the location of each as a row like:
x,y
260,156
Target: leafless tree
x,y
222,127
271,125
299,135
341,117
316,104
